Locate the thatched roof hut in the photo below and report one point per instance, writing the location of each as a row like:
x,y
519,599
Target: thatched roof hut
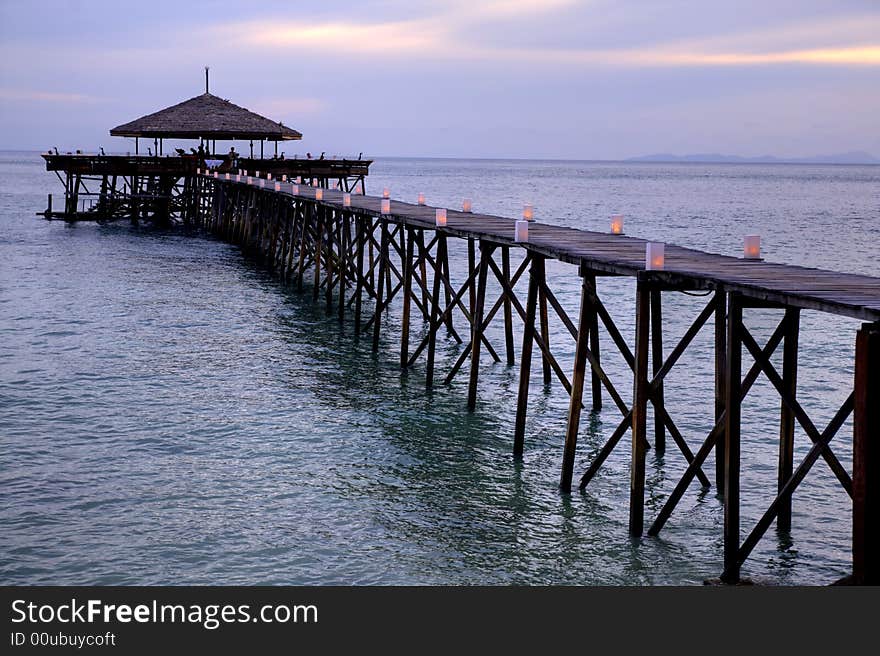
x,y
209,117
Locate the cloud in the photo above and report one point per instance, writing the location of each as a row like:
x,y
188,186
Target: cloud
x,y
854,56
392,38
24,95
849,41
468,9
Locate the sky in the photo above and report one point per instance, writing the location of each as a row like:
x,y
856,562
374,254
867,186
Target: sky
x,y
567,79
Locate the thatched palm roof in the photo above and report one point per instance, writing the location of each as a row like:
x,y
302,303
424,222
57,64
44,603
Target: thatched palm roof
x,y
205,116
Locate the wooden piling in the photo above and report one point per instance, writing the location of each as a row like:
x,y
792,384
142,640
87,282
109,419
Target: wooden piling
x,y
508,311
486,249
380,293
433,325
423,275
443,263
329,219
720,381
577,389
787,419
344,260
545,331
733,404
640,407
590,279
361,228
536,275
657,363
866,457
407,297
319,250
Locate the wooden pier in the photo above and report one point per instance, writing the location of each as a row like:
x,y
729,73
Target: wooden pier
x,y
360,259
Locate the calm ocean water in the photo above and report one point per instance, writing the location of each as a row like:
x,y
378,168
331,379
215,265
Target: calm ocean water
x,y
171,414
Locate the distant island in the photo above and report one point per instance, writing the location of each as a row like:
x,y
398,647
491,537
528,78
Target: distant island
x,y
854,157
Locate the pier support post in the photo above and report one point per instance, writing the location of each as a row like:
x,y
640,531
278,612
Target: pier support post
x,y
787,418
319,247
361,224
344,263
443,263
866,457
305,221
407,297
435,312
545,331
657,363
423,274
486,249
640,407
536,274
508,310
593,319
472,266
732,439
290,220
380,292
720,381
330,228
584,334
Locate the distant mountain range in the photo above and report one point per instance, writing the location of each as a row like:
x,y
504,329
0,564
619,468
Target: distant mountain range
x,y
854,157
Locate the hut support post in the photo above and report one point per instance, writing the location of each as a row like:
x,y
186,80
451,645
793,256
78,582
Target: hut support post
x,y
787,418
866,457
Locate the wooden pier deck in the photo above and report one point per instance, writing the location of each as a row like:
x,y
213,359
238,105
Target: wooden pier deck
x,y
359,254
850,295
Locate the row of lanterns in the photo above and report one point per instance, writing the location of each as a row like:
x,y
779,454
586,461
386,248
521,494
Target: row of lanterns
x,y
655,252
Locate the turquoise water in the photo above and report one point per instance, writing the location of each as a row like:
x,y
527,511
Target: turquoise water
x,y
171,414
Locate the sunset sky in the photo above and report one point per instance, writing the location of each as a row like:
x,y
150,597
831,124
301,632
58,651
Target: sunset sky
x,y
596,79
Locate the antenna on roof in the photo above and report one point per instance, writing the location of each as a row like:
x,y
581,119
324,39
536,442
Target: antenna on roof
x,y
206,78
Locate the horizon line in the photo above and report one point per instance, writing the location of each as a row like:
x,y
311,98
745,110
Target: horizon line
x,y
636,159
